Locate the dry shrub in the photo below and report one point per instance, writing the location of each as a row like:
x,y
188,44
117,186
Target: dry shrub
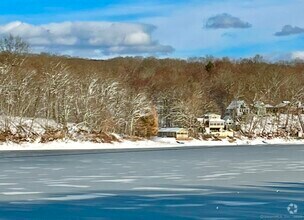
x,y
206,137
95,137
56,134
52,135
231,140
147,126
4,136
216,138
8,136
133,138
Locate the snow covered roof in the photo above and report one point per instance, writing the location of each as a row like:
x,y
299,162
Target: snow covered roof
x,y
216,120
228,118
171,129
282,105
268,106
259,104
236,104
211,114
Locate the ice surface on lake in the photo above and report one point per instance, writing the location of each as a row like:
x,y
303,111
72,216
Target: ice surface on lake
x,y
255,178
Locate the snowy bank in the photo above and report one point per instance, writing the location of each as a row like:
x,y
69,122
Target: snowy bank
x,y
156,143
22,134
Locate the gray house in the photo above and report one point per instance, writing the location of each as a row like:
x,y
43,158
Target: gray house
x,y
229,123
259,108
237,108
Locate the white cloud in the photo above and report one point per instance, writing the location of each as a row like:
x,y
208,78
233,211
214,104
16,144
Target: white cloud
x,y
179,25
285,56
186,35
81,38
297,55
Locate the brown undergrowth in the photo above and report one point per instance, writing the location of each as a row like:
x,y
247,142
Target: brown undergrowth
x,y
51,135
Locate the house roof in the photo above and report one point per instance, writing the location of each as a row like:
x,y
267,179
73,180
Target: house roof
x,y
216,120
171,129
210,117
236,104
282,105
228,118
259,104
212,114
268,106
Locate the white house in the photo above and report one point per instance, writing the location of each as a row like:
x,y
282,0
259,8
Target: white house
x,y
214,125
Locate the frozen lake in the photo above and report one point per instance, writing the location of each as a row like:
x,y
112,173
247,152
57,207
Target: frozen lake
x,y
221,182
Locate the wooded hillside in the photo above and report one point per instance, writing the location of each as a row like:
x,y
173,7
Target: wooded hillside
x,y
128,95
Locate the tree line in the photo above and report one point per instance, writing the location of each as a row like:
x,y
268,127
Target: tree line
x,y
133,95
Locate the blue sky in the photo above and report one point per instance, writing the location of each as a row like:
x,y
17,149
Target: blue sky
x,y
167,28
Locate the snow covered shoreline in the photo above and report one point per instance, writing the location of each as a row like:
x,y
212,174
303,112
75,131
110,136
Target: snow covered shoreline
x,y
157,143
44,135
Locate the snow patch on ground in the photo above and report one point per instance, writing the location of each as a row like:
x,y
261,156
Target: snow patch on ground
x,y
144,144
